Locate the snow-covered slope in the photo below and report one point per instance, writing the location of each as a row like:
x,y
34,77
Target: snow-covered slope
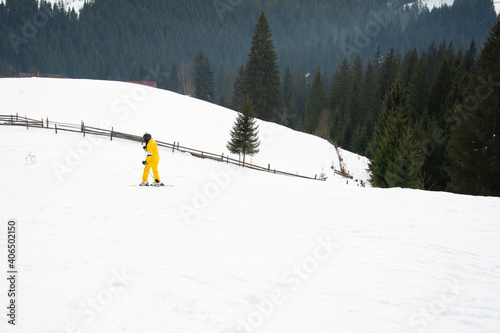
x,y
77,5
226,249
431,4
169,117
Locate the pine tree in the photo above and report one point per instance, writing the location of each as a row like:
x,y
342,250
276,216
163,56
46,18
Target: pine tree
x,y
339,89
162,75
262,78
395,160
203,78
439,91
238,88
244,134
317,103
173,78
474,145
355,100
370,104
419,89
287,87
134,73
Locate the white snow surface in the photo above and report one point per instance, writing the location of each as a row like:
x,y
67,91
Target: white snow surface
x,y
226,249
431,4
77,5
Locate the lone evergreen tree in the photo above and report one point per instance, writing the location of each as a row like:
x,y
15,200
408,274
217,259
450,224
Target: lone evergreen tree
x,y
262,78
244,135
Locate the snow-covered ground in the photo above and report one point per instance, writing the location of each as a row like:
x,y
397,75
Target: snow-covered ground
x,y
77,5
431,4
226,249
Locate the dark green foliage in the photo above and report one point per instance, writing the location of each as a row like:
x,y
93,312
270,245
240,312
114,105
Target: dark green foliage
x,y
419,89
339,91
244,135
388,72
474,145
173,78
440,90
395,160
261,80
318,102
238,88
134,73
203,78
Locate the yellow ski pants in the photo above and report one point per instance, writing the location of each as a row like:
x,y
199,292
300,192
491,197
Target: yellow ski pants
x,y
153,164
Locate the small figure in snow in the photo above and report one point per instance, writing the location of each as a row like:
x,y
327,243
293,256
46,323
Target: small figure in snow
x,y
151,162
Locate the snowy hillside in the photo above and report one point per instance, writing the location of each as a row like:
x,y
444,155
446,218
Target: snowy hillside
x,y
77,5
431,4
169,117
225,249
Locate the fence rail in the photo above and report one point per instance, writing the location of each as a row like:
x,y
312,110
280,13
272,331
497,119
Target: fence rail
x,y
16,120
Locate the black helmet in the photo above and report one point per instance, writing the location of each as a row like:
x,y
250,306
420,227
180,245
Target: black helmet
x,y
146,137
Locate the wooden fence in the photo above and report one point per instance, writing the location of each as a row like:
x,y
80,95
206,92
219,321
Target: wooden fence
x,y
16,120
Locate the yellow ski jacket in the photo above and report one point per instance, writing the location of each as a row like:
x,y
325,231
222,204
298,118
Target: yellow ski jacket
x,y
152,152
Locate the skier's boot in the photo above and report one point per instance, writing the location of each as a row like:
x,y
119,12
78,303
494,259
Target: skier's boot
x,y
144,184
157,183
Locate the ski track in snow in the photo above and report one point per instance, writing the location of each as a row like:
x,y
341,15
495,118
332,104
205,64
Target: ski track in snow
x,y
227,249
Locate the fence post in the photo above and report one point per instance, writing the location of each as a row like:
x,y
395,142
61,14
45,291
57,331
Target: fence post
x,y
268,167
177,145
12,119
83,128
111,134
42,122
47,122
173,147
27,124
55,126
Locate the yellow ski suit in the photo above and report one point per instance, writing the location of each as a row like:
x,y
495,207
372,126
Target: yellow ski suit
x,y
152,160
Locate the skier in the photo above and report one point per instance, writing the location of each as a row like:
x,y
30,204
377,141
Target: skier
x,y
151,162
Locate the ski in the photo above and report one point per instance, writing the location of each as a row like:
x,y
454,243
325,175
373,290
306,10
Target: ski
x,y
164,185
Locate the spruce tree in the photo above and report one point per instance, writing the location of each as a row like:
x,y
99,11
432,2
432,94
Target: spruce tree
x,y
355,100
262,78
474,145
173,78
419,89
318,102
370,104
203,78
339,89
238,88
439,91
134,73
244,134
388,72
394,160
